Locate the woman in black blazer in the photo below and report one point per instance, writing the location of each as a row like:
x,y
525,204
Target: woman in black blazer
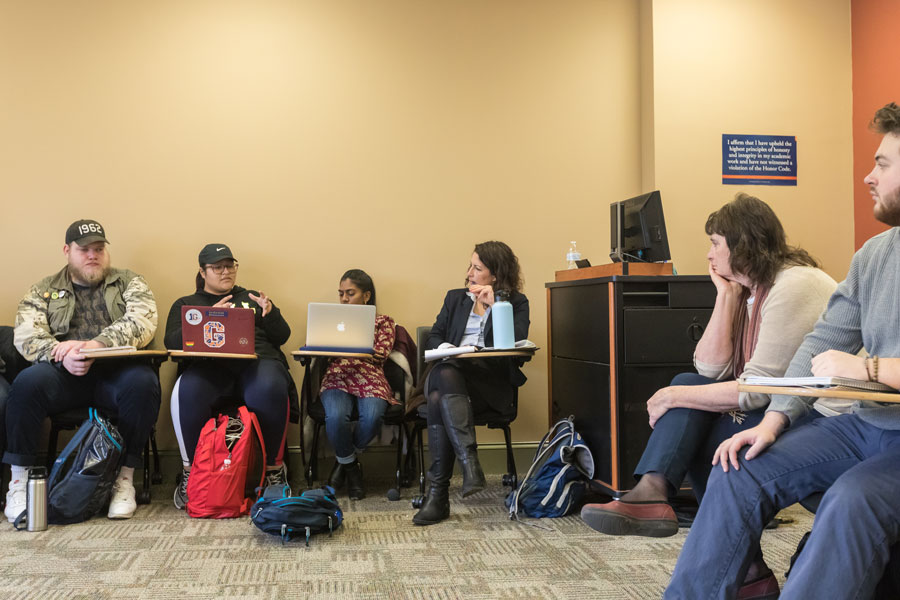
x,y
457,389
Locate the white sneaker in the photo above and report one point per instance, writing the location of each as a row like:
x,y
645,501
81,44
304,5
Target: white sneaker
x,y
122,505
15,500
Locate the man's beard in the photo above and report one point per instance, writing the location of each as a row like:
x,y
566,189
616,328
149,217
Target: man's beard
x,y
92,275
888,210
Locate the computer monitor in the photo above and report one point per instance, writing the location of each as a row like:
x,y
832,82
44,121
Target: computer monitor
x,y
638,230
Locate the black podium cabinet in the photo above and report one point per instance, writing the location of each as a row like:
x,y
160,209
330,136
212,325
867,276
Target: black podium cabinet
x,y
613,342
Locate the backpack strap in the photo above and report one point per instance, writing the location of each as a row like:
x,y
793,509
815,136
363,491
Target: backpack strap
x,y
249,417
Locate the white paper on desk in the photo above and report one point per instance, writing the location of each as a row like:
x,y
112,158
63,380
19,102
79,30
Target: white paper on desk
x,y
453,350
109,350
445,352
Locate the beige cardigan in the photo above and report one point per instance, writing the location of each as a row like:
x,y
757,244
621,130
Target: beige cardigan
x,y
794,304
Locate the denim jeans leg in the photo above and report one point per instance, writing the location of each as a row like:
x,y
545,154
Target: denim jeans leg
x,y
856,525
371,414
725,535
722,428
338,409
677,438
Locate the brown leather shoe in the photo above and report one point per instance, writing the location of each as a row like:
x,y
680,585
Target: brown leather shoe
x,y
764,587
649,519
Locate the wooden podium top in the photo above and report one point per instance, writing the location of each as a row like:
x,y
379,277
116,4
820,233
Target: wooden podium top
x,y
627,268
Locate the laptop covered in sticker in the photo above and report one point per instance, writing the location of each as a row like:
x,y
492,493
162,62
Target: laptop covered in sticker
x,y
218,329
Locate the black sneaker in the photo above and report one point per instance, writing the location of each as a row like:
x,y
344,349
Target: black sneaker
x,y
181,490
277,476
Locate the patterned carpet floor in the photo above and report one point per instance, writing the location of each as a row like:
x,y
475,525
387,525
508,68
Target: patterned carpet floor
x,y
378,554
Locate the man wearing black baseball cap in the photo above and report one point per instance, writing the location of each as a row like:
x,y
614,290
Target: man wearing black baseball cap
x,y
84,232
87,304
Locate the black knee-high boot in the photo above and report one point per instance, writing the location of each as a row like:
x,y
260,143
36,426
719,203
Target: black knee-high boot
x,y
459,422
436,506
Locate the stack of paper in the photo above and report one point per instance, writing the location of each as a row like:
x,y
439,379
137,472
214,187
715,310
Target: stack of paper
x,y
456,350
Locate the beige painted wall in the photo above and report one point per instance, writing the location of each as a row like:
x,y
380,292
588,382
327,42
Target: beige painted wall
x,y
392,136
754,67
317,136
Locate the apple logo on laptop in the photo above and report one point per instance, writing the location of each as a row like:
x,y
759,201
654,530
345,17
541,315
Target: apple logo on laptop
x,y
341,326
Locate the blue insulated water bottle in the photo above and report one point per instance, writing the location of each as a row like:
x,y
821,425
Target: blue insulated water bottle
x,y
502,316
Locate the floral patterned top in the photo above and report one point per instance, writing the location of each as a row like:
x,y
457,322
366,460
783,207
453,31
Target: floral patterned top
x,y
364,378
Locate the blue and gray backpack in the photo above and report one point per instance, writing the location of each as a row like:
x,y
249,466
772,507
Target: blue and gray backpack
x,y
313,511
83,474
557,477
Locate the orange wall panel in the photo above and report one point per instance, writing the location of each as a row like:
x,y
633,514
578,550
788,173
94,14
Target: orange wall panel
x,y
876,64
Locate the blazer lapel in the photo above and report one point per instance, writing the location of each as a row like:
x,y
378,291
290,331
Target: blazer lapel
x,y
460,318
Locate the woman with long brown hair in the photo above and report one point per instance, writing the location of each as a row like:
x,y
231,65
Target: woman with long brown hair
x,y
768,297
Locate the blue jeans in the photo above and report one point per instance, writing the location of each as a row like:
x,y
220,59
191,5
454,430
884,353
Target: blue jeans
x,y
855,526
685,439
338,412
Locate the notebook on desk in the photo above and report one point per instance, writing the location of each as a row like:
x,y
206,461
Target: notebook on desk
x,y
436,353
340,328
818,382
218,329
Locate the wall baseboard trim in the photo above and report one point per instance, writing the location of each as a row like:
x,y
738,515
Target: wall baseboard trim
x,y
379,462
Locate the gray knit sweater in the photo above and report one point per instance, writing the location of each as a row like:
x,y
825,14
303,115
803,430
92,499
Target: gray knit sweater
x,y
864,312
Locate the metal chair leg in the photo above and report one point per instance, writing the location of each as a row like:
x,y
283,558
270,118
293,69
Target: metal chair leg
x,y
312,464
511,477
417,432
51,446
157,472
143,497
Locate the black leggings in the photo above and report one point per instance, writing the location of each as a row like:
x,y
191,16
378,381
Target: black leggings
x,y
444,379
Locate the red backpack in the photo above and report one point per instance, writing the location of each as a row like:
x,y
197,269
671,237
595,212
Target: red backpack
x,y
223,480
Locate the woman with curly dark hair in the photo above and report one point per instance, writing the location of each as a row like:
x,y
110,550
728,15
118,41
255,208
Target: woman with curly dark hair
x,y
458,389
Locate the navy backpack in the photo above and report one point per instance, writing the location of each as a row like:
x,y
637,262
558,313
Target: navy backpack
x,y
82,478
557,477
313,511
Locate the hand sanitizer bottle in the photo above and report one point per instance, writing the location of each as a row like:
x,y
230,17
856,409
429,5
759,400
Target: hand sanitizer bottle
x,y
572,255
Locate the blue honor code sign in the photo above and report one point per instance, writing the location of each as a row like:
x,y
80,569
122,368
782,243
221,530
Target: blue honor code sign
x,y
759,159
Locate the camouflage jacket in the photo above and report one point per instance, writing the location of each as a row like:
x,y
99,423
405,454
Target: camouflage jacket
x,y
46,310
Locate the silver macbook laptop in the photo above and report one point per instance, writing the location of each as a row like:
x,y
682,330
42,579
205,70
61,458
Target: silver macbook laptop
x,y
340,327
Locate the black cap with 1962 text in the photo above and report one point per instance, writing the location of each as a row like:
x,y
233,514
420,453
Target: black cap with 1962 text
x,y
84,232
